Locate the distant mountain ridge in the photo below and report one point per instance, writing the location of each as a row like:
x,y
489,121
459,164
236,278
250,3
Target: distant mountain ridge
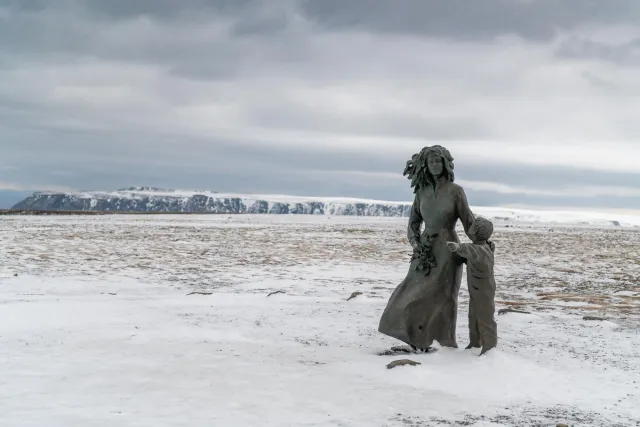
x,y
157,200
151,199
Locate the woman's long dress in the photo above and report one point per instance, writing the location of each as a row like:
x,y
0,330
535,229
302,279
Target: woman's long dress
x,y
424,307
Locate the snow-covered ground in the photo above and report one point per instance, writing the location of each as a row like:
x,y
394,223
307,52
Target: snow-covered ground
x,y
98,328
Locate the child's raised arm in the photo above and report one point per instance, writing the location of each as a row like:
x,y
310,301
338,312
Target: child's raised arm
x,y
466,250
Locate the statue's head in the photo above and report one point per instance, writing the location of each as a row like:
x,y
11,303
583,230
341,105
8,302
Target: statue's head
x,y
429,165
481,229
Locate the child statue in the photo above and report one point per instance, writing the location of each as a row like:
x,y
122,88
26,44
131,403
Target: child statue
x,y
482,286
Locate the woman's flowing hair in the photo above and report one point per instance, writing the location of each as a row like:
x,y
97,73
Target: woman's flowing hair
x,y
417,169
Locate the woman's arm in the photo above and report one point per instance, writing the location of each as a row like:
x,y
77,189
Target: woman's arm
x,y
464,211
415,222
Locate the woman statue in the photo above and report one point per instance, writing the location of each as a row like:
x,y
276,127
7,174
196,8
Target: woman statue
x,y
424,307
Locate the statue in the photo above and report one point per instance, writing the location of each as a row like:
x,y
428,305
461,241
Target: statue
x,y
424,307
482,286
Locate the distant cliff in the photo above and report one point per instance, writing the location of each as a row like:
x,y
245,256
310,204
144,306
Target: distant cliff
x,y
153,200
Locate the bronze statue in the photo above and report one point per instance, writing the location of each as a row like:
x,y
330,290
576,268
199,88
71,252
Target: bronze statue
x,y
483,330
424,307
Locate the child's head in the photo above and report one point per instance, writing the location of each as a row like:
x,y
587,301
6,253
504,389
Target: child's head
x,y
481,229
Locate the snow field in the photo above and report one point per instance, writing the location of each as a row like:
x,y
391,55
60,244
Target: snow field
x,y
98,329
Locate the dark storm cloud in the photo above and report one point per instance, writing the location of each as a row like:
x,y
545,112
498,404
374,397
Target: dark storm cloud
x,y
463,19
536,19
168,9
126,9
191,38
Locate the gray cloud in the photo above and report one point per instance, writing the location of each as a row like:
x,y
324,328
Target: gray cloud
x,y
627,53
320,97
603,82
88,161
169,9
10,198
538,20
123,9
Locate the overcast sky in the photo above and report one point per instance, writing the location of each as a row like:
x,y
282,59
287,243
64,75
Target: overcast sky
x,y
537,100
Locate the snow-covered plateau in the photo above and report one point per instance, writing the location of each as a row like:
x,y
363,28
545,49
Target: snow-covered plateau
x,y
155,200
172,320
